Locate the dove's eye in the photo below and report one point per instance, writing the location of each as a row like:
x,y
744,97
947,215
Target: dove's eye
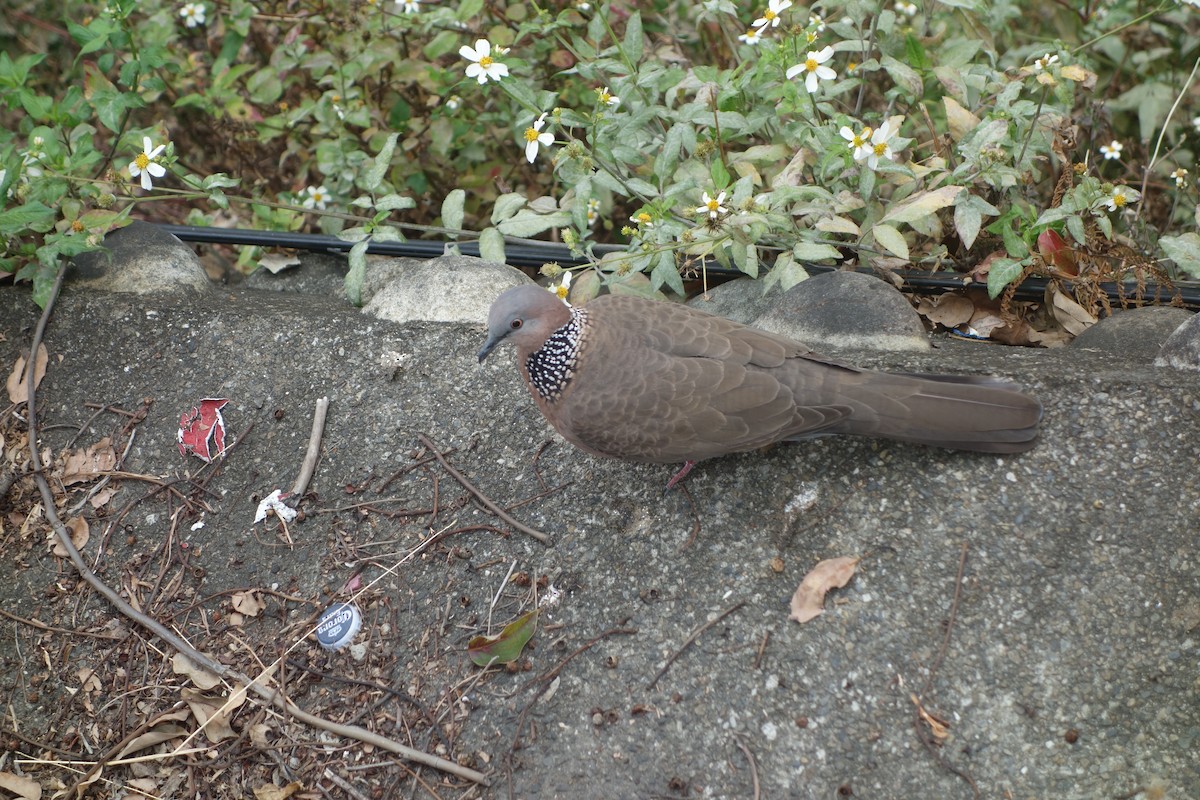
x,y
516,323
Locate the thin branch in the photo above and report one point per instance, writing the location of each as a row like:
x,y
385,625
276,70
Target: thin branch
x,y
314,448
692,640
488,504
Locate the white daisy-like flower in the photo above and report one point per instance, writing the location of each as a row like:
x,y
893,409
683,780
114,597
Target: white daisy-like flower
x,y
881,145
1180,175
1121,196
563,287
409,6
193,14
861,142
1044,62
815,69
583,5
712,205
642,219
1112,150
753,36
534,137
816,23
453,102
770,17
906,8
145,165
593,211
318,196
606,98
482,66
1196,123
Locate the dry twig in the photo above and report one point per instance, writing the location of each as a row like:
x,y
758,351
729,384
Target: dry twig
x,y
692,640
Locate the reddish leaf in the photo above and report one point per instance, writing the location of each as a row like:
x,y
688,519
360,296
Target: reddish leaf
x,y
506,646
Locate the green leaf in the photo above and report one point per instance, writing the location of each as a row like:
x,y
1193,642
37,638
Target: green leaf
x,y
667,272
786,273
528,223
491,245
452,209
34,216
358,271
720,175
1184,250
468,10
394,202
445,42
506,646
383,162
814,251
1001,273
922,204
904,76
890,239
507,205
633,38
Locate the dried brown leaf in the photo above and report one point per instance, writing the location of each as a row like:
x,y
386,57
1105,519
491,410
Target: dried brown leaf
x,y
1073,317
163,732
272,792
213,711
18,390
809,599
948,310
82,465
78,528
937,726
182,665
248,603
22,787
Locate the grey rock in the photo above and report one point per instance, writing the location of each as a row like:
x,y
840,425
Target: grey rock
x,y
446,289
1135,334
317,273
740,300
140,259
1182,348
846,310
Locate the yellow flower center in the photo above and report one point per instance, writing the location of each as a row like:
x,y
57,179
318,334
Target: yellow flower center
x,y
881,149
713,205
811,65
77,226
768,15
486,61
1118,199
561,291
142,161
531,135
644,218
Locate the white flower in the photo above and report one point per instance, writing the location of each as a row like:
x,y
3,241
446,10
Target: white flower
x,y
860,141
482,65
534,137
409,6
906,8
593,210
583,5
1044,62
770,17
1120,197
881,145
453,102
193,14
1180,175
563,288
1196,123
814,65
318,196
1112,150
712,205
606,98
815,22
642,219
145,165
752,36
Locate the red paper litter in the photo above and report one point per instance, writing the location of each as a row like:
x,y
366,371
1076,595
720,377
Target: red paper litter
x,y
202,430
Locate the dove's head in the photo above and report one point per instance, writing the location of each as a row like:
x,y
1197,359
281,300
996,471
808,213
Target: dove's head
x,y
526,316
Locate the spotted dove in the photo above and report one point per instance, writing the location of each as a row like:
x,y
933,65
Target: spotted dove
x,y
665,383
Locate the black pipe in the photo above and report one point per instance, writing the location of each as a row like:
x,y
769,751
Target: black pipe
x,y
535,255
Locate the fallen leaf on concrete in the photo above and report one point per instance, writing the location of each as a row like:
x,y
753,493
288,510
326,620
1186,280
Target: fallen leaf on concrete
x,y
18,390
938,727
82,465
273,792
506,646
22,787
162,732
213,711
832,573
78,528
182,665
248,603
